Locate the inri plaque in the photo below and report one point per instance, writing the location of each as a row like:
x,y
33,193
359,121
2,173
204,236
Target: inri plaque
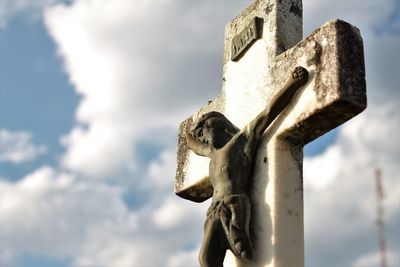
x,y
243,41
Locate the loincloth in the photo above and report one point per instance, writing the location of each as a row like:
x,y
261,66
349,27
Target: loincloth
x,y
233,212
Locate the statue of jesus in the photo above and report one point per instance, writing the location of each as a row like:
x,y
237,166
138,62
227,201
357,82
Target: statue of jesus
x,y
232,152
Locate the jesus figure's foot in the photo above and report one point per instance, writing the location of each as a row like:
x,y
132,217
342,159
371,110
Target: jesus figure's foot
x,y
241,243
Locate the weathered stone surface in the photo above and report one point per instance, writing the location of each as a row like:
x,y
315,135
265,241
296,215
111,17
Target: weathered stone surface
x,y
334,56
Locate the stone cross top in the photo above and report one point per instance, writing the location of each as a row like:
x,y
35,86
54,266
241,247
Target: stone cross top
x,y
262,45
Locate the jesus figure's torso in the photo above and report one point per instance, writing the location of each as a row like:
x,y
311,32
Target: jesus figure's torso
x,y
230,166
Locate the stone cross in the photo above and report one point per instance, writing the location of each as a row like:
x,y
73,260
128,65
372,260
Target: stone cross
x,y
262,45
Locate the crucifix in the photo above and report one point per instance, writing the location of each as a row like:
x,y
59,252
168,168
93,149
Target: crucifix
x,y
304,88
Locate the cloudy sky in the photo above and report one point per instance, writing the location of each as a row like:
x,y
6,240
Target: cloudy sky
x,y
91,95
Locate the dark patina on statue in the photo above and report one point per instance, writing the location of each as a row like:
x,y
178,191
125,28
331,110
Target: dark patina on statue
x,y
232,152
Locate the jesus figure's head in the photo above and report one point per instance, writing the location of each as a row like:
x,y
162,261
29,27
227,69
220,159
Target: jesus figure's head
x,y
214,129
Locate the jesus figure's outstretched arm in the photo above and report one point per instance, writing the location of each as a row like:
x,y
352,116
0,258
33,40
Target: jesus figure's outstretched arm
x,y
298,78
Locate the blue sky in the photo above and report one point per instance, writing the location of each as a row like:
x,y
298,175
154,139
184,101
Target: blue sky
x,y
88,121
33,83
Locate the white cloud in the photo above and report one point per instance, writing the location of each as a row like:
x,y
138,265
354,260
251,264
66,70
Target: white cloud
x,y
160,172
18,147
51,213
184,259
172,213
340,200
129,61
7,258
57,215
322,164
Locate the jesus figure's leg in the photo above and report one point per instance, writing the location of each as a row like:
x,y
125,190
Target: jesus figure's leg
x,y
214,246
